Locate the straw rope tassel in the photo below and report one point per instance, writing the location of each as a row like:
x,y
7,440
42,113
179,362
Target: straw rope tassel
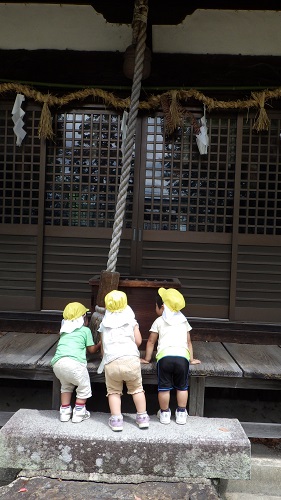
x,y
175,114
45,125
262,121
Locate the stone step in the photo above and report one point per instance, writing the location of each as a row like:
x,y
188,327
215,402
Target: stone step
x,y
50,488
35,440
265,477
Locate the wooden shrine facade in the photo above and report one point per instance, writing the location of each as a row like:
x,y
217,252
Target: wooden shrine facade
x,y
213,221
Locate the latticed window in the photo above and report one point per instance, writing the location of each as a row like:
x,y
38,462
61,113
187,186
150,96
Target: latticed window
x,y
260,196
19,169
186,191
83,170
182,190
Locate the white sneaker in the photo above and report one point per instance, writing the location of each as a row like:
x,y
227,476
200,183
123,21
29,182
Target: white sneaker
x,y
164,416
65,414
80,415
181,417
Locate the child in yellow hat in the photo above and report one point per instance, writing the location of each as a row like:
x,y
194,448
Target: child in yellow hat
x,y
121,337
70,363
174,353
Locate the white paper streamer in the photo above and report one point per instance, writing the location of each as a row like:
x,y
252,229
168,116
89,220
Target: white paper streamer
x,y
17,117
202,138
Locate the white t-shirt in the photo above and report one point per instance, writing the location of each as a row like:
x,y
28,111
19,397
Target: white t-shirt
x,y
172,339
118,338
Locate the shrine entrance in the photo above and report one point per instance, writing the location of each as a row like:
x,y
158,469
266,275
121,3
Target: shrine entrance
x,y
213,221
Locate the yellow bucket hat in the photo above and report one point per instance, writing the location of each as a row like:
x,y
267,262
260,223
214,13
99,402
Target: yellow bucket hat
x,y
74,310
172,298
115,301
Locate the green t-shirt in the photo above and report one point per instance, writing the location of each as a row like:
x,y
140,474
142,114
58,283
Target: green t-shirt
x,y
73,345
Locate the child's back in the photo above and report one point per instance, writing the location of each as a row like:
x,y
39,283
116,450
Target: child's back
x,y
174,353
121,337
70,362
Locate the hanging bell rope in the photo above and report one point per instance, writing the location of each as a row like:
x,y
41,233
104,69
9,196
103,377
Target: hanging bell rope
x,y
109,279
140,20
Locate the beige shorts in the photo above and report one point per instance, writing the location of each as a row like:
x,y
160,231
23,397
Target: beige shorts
x,y
126,369
73,374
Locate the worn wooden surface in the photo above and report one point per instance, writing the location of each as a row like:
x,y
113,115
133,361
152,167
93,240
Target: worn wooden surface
x,y
210,330
44,363
19,351
235,366
235,332
27,322
28,356
215,361
257,361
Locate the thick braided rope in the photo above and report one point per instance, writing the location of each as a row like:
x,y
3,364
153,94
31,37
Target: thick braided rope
x,y
257,100
152,102
129,145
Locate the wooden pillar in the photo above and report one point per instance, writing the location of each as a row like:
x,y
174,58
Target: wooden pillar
x,y
56,393
196,396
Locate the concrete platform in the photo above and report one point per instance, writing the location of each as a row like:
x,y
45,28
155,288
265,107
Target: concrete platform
x,y
35,440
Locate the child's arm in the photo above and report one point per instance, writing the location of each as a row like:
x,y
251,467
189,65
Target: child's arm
x,y
151,341
92,349
137,335
190,348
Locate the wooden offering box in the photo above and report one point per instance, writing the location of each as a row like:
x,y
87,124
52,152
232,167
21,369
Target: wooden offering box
x,y
141,292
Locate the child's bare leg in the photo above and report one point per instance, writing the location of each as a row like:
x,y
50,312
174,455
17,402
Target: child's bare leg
x,y
80,401
164,399
140,402
114,401
65,398
182,397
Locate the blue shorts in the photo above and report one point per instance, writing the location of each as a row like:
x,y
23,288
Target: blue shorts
x,y
173,373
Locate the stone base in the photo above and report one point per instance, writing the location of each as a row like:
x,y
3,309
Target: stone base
x,y
203,448
44,487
